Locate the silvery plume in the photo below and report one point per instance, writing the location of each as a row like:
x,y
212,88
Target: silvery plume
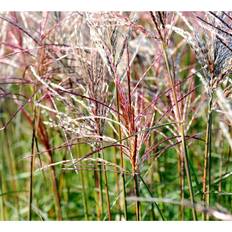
x,y
212,46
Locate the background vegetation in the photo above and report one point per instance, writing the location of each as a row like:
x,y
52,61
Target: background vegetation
x,y
115,116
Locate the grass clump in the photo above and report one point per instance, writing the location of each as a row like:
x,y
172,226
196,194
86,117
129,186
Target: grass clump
x,y
115,116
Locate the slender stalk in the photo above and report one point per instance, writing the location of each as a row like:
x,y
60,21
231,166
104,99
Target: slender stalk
x,y
136,189
117,178
151,174
56,193
103,169
107,192
181,131
207,159
32,163
189,178
181,182
152,205
220,180
133,145
97,195
135,173
84,197
122,160
100,186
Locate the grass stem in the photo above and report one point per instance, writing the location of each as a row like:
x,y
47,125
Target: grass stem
x,y
207,158
181,130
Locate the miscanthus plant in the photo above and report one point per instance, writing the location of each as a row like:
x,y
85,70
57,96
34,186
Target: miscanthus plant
x,y
115,116
213,51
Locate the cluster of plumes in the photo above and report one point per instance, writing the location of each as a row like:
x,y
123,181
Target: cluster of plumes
x,y
95,81
83,57
87,82
215,52
70,72
160,20
212,45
